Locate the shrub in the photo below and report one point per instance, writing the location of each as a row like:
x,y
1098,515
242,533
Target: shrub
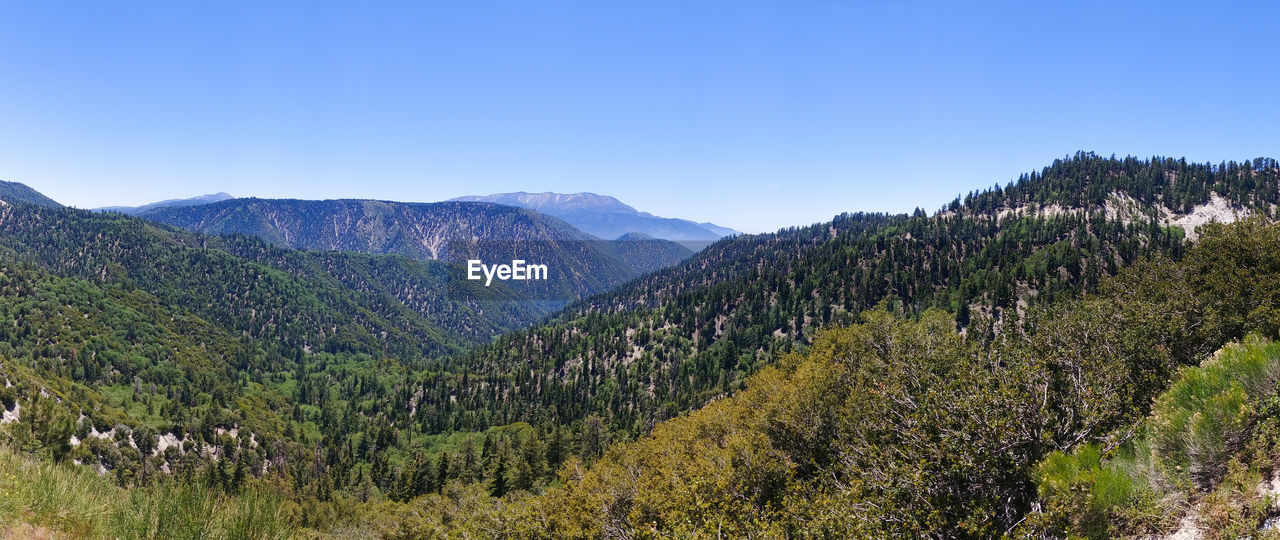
x,y
1082,491
1196,428
1204,416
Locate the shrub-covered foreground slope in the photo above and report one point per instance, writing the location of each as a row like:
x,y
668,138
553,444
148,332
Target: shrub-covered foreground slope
x,y
1205,461
906,428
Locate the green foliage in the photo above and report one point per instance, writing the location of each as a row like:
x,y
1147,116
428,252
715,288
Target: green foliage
x,y
899,428
1203,417
1078,485
764,461
79,503
1196,428
15,193
675,339
953,354
148,333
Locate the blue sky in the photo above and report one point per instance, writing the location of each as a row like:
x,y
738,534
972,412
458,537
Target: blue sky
x,y
753,115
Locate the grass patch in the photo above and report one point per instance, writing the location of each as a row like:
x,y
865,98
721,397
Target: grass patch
x,y
77,502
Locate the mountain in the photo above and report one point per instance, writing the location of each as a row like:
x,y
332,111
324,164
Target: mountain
x,y
295,299
193,201
16,193
449,231
692,332
554,203
607,217
722,231
979,339
1145,410
143,348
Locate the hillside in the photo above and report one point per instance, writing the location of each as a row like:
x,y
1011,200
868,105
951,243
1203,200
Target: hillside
x,y
606,217
16,193
919,365
144,350
290,297
674,339
887,428
452,232
169,203
899,427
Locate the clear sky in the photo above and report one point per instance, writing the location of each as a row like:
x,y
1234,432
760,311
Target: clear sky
x,y
752,115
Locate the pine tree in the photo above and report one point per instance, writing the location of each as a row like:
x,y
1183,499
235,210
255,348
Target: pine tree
x,y
498,486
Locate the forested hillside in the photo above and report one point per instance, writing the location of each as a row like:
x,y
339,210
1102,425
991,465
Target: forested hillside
x,y
898,427
292,299
141,349
16,193
676,338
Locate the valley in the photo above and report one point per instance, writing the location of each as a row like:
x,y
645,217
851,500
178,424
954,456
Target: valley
x,y
319,354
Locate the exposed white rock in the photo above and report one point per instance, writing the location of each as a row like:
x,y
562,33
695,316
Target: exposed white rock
x,y
1217,209
165,441
109,434
11,416
1121,206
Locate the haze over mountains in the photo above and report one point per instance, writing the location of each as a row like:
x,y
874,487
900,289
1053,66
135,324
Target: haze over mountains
x,y
193,201
607,217
598,215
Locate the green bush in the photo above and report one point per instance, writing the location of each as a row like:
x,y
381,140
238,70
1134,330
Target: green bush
x,y
1204,416
1082,490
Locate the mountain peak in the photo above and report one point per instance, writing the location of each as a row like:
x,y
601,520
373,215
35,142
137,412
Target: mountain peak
x,y
557,201
605,216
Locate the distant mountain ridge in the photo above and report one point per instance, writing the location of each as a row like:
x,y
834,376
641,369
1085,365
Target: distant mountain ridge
x,y
169,203
449,231
605,216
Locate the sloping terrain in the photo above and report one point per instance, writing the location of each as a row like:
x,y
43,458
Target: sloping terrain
x,y
16,193
453,232
963,350
674,339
